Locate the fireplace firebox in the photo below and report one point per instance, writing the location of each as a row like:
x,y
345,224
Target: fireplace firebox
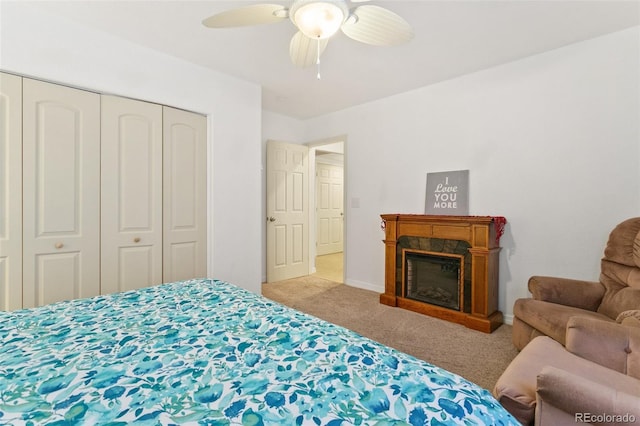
x,y
435,278
444,266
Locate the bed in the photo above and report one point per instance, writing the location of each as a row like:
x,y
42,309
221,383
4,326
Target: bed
x,y
208,352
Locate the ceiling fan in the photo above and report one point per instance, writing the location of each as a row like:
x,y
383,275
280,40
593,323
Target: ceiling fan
x,y
317,21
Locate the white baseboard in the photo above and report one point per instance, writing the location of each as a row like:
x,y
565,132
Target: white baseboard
x,y
364,285
508,319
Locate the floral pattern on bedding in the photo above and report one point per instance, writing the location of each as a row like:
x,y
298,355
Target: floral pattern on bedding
x,y
207,352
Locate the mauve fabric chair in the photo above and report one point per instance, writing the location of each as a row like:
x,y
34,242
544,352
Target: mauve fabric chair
x,y
597,373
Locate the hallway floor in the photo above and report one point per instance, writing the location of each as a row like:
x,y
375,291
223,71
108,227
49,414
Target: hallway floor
x,y
330,267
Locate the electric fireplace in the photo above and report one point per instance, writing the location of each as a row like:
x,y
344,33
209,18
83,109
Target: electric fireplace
x,y
444,266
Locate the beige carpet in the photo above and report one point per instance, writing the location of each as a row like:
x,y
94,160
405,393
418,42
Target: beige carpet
x,y
476,356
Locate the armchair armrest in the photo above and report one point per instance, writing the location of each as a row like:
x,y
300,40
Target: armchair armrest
x,y
609,344
581,398
564,291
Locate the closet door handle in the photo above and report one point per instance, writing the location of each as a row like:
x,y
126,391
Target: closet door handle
x,y
136,240
59,245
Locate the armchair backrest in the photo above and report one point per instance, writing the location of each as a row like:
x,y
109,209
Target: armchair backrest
x,y
620,269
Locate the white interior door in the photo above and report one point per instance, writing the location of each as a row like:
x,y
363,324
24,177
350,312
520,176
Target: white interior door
x,y
10,192
330,211
61,198
185,195
287,211
131,226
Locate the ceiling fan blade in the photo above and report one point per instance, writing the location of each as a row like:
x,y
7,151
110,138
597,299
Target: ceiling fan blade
x,y
304,50
378,26
249,15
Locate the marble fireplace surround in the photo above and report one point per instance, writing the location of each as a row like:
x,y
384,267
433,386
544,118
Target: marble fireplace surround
x,y
480,233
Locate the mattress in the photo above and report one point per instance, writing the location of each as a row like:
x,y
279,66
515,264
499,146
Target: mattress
x,y
208,352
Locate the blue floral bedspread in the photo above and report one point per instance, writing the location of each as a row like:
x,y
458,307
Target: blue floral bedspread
x,y
208,352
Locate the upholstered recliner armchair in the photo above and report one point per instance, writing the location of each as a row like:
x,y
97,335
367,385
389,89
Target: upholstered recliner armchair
x,y
594,379
555,300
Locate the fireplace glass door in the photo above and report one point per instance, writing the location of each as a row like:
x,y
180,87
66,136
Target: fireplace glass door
x,y
434,278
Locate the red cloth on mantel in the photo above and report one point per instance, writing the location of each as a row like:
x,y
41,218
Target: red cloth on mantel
x,y
500,222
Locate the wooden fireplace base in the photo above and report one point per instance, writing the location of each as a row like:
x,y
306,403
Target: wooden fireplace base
x,y
481,233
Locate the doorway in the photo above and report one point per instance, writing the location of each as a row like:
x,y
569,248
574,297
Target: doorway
x,y
328,259
292,200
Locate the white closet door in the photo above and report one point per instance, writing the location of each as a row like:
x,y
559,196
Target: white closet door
x,y
185,195
61,180
131,225
10,192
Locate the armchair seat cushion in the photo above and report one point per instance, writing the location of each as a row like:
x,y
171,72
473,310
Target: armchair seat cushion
x,y
516,388
550,318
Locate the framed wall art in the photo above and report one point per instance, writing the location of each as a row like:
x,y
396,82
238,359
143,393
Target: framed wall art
x,y
448,193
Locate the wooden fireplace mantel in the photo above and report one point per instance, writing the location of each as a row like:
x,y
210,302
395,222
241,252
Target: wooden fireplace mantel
x,y
483,235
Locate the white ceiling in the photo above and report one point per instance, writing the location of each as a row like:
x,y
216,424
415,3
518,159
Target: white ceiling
x,y
452,38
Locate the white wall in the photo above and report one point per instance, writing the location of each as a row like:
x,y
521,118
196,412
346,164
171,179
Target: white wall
x,y
552,143
37,44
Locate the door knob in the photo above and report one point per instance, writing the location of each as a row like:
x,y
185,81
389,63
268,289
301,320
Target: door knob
x,y
136,240
59,245
271,219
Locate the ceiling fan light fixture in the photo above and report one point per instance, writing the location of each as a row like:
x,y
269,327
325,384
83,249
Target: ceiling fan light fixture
x,y
318,19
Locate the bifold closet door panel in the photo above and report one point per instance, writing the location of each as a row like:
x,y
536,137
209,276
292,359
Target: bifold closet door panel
x,y
61,193
10,192
131,194
185,195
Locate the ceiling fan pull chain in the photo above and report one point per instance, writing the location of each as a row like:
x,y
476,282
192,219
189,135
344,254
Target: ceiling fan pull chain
x,y
318,58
